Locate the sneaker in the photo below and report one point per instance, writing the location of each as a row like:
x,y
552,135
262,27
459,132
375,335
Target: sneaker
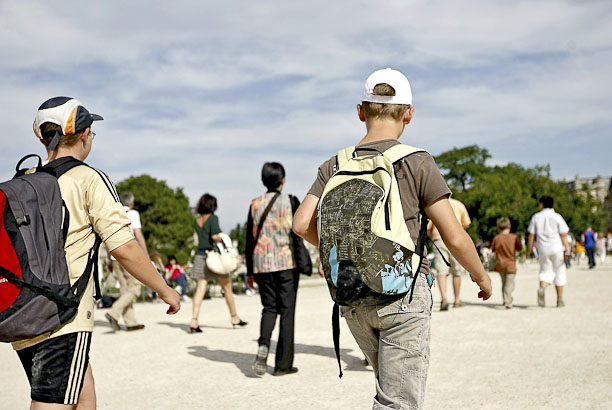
x,y
184,298
113,322
560,303
249,292
541,297
259,365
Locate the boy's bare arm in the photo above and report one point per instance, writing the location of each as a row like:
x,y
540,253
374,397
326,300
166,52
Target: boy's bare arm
x,y
305,220
131,256
459,243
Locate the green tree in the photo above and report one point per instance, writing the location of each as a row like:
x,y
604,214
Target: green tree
x,y
239,234
514,192
167,220
461,166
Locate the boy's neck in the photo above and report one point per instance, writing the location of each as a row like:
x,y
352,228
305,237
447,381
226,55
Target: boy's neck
x,y
382,130
506,230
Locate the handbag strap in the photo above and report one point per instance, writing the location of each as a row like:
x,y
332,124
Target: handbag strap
x,y
265,215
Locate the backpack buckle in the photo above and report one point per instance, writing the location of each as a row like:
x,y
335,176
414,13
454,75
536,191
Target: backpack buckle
x,y
25,220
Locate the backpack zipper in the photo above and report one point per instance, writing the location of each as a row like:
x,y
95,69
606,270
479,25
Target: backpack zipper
x,y
372,171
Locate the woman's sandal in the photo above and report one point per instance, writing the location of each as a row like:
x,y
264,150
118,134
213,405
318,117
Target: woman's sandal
x,y
240,323
195,329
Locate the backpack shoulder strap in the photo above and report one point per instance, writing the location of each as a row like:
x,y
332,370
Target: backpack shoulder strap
x,y
344,155
399,151
60,166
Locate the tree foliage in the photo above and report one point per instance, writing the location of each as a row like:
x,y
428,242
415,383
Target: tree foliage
x,y
461,166
167,220
514,192
238,234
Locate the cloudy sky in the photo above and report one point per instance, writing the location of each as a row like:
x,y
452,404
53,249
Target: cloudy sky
x,y
201,93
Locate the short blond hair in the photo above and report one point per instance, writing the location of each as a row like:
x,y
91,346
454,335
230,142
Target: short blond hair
x,y
382,111
48,130
503,223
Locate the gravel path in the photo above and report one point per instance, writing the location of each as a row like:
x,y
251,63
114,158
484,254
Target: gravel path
x,y
482,356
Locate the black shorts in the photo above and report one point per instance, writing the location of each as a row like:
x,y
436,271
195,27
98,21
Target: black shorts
x,y
56,367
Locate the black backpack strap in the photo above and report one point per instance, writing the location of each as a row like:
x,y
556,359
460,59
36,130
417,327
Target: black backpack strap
x,y
62,165
92,263
336,335
264,216
48,293
420,251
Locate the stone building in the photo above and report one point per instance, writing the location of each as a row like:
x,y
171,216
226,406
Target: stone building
x,y
599,187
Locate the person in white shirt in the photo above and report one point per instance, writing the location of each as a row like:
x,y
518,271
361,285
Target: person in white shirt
x,y
550,230
129,287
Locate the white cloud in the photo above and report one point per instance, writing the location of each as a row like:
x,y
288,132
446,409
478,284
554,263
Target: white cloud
x,y
201,93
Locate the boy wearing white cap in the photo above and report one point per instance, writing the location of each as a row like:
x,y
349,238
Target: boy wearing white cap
x,y
57,362
394,336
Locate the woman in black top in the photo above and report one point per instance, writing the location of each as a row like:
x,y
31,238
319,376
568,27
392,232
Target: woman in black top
x,y
208,230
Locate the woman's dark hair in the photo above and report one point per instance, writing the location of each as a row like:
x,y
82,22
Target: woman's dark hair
x,y
170,257
207,204
272,175
547,201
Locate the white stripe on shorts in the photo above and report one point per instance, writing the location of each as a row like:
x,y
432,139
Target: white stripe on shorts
x,y
77,368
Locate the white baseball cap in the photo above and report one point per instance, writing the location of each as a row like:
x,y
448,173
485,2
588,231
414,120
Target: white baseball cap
x,y
66,112
397,80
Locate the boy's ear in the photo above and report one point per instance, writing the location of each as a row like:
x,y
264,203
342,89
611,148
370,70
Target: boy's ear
x,y
84,135
361,113
408,115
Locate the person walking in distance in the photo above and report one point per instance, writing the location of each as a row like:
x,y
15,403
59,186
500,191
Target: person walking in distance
x,y
393,334
129,287
57,363
270,259
455,268
589,239
506,245
550,230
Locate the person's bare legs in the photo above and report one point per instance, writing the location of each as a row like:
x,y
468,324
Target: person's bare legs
x,y
87,398
37,405
228,294
198,297
442,286
457,288
559,292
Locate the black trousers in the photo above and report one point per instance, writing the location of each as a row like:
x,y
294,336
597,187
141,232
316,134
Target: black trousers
x,y
278,293
591,253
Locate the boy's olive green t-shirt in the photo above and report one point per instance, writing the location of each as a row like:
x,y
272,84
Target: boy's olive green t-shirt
x,y
418,178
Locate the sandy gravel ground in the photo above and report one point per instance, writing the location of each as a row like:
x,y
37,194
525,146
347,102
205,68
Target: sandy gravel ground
x,y
482,356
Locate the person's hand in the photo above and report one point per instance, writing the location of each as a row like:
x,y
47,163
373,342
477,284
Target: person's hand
x,y
172,298
485,288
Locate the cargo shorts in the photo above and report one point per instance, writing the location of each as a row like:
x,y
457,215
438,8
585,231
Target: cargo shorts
x,y
395,340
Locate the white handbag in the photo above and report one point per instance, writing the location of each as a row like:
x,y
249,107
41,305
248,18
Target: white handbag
x,y
221,260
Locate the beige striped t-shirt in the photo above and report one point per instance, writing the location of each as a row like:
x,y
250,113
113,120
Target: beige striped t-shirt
x,y
94,207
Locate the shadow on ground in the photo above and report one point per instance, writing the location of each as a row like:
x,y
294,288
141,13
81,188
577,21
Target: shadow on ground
x,y
104,323
185,326
243,361
496,306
